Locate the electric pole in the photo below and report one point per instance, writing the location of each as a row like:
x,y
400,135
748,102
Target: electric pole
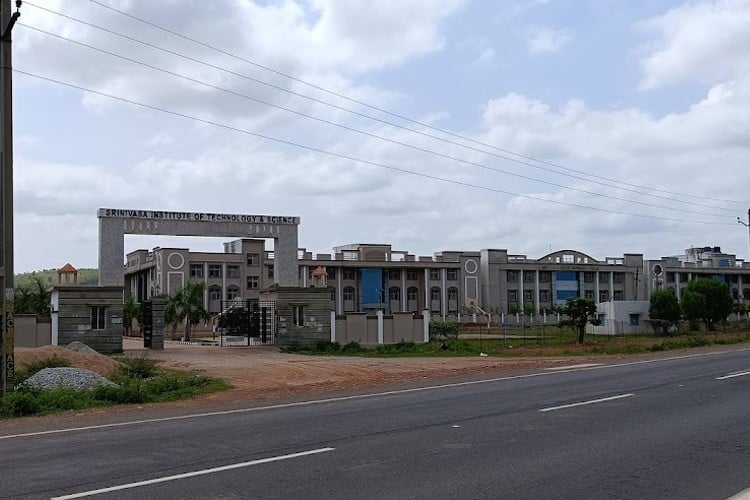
x,y
747,225
7,330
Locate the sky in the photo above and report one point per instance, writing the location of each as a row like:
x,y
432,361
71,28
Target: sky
x,y
603,126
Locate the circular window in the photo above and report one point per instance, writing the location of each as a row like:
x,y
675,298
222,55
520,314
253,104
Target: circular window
x,y
175,260
470,266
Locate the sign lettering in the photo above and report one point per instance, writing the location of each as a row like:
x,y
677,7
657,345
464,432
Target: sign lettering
x,y
153,216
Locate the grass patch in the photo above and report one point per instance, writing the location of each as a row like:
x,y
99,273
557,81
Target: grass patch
x,y
139,380
562,343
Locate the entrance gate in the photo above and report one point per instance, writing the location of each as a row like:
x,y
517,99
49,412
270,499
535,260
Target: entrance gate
x,y
247,323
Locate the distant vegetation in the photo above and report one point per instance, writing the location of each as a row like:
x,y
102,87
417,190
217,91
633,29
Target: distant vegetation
x,y
48,277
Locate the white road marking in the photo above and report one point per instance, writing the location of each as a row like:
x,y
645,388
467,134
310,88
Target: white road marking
x,y
733,375
742,495
456,426
358,396
571,367
583,403
193,474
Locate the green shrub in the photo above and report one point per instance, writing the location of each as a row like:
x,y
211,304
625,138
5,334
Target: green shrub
x,y
140,367
444,332
326,346
352,347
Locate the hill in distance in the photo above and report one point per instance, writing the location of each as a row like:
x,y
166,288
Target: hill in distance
x,y
48,277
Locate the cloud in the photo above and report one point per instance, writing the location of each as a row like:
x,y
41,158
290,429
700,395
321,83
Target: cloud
x,y
705,42
541,40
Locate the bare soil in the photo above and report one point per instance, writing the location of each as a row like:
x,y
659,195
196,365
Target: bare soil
x,y
262,373
99,363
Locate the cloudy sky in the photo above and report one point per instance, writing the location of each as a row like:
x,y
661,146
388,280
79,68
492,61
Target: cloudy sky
x,y
605,126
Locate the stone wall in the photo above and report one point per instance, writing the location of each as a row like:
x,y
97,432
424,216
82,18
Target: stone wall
x,y
303,315
73,311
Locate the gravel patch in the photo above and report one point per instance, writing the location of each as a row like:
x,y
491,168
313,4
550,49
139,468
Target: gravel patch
x,y
73,378
80,347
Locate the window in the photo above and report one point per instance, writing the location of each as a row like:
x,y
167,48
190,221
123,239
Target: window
x,y
589,294
434,274
393,274
528,276
412,293
331,273
214,293
196,270
452,275
298,315
349,293
453,293
670,277
233,271
568,259
411,275
434,293
635,319
98,317
527,297
544,295
512,296
232,293
214,270
604,277
618,277
603,296
253,259
333,295
349,274
512,276
588,277
544,276
394,293
618,295
253,282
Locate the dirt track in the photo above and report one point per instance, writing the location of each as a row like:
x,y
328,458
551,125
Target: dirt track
x,y
266,373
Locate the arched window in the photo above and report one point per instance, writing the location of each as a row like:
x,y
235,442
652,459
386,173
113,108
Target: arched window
x,y
214,293
233,292
453,293
434,293
412,293
394,293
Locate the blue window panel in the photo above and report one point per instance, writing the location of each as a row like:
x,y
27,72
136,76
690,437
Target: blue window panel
x,y
566,276
372,287
563,295
724,263
635,319
720,277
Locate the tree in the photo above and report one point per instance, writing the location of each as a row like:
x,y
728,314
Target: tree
x,y
130,310
707,300
664,310
579,313
187,305
34,299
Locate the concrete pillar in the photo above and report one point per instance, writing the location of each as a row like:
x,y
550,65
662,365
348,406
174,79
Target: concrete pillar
x,y
427,304
426,325
596,287
158,304
333,326
339,291
520,289
379,314
403,290
443,293
611,286
677,286
536,291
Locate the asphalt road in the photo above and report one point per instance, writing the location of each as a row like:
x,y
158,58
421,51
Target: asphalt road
x,y
670,428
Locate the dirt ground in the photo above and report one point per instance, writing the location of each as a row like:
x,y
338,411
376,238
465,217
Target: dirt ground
x,y
262,373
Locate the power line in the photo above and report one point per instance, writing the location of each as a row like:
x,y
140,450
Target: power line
x,y
363,115
369,134
355,159
397,115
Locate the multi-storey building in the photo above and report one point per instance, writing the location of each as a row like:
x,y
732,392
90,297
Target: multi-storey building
x,y
364,277
674,273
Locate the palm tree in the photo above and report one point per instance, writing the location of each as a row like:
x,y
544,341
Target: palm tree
x,y
130,310
187,305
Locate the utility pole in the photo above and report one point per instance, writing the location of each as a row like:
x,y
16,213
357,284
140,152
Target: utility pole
x,y
747,225
7,330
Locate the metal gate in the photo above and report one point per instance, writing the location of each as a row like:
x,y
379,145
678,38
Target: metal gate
x,y
247,323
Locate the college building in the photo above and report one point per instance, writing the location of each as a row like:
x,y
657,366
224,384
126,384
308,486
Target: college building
x,y
368,277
